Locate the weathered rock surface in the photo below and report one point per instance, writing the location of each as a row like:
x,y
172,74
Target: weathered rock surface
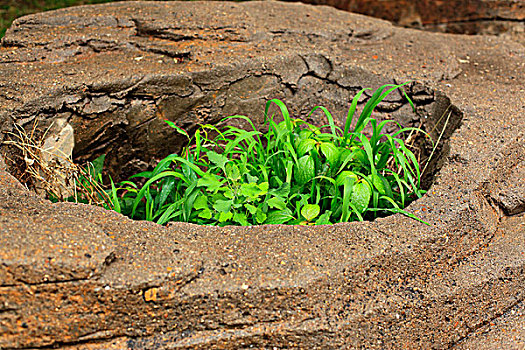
x,y
453,16
80,277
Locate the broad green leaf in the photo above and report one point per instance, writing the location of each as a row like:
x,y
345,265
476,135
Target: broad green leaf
x,y
225,216
304,200
305,170
228,193
360,155
209,181
305,146
232,171
361,194
253,190
241,219
310,211
205,213
378,183
382,185
251,178
279,216
222,205
276,202
264,186
260,216
282,191
201,202
252,209
217,159
324,219
330,152
167,186
340,179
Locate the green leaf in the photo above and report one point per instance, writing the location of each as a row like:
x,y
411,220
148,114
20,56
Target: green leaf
x,y
222,205
382,185
225,216
252,209
310,211
264,186
276,202
169,213
146,188
287,122
324,219
205,213
305,170
305,146
260,216
167,186
98,165
378,183
360,156
232,171
348,186
217,159
351,111
361,194
330,152
241,219
179,130
209,181
251,178
340,179
201,202
253,190
276,217
282,191
227,192
189,198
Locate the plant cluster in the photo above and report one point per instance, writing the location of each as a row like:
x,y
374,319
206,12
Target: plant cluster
x,y
294,173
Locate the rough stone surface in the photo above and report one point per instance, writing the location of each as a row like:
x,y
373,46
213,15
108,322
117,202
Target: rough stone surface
x,y
80,277
493,17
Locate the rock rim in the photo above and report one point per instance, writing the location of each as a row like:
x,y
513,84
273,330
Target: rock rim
x,y
76,276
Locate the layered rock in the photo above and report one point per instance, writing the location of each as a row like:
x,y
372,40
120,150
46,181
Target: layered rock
x,y
80,277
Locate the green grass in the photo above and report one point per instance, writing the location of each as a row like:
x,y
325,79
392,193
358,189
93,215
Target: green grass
x,y
294,173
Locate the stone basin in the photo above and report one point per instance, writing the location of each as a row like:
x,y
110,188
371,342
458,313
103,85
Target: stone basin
x,y
75,276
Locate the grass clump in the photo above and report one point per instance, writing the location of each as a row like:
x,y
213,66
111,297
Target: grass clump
x,y
295,173
52,173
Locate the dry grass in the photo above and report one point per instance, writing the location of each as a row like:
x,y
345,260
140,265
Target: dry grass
x,y
53,174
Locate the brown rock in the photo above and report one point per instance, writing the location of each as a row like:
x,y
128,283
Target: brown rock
x,y
451,16
77,277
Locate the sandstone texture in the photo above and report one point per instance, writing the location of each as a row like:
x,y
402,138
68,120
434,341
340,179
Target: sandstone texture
x,y
79,277
493,17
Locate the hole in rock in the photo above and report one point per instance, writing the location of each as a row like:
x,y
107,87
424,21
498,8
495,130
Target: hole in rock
x,y
131,132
